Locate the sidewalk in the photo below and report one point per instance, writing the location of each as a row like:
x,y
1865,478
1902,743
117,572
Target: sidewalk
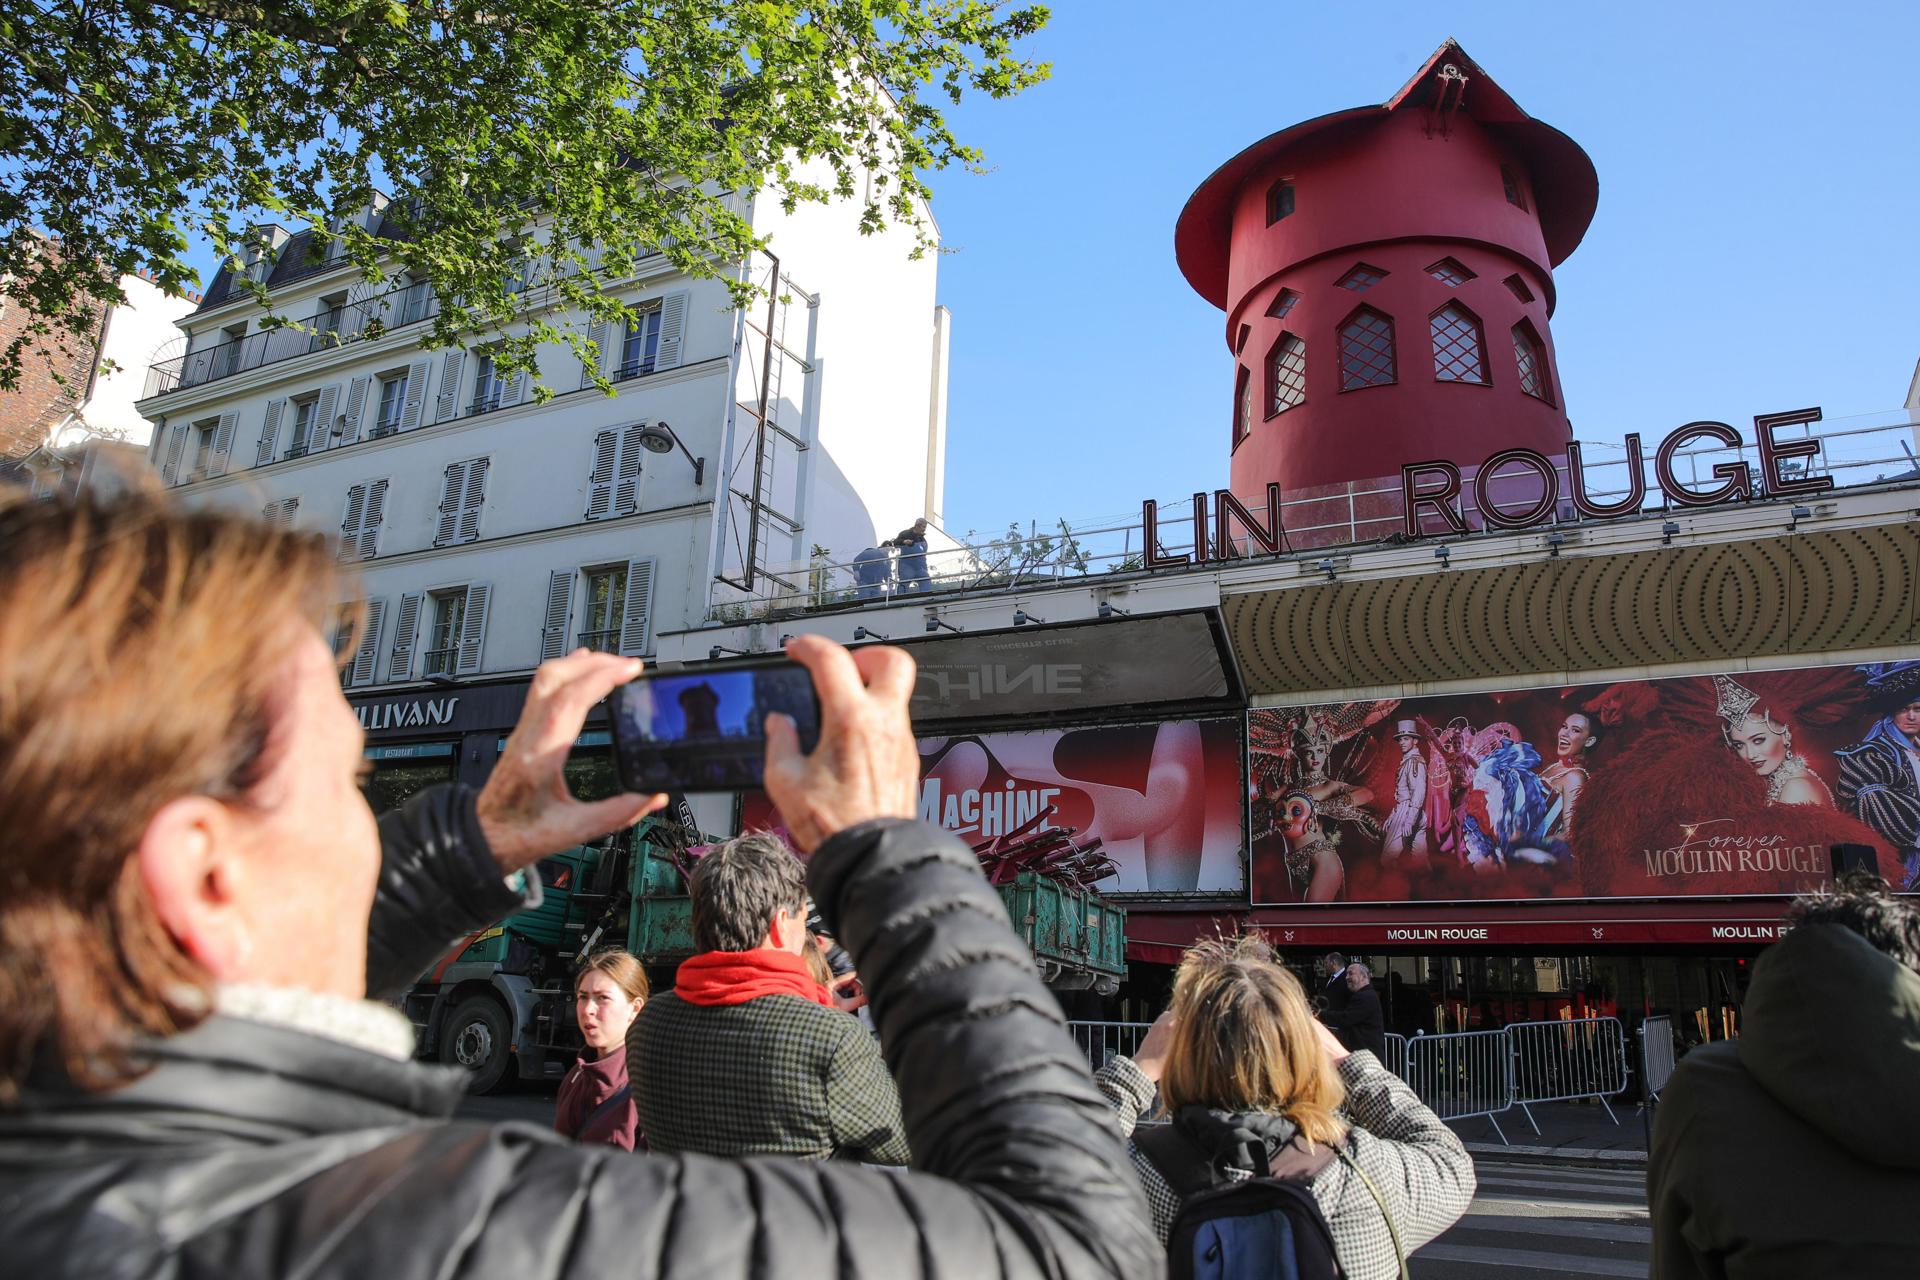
x,y
1568,1131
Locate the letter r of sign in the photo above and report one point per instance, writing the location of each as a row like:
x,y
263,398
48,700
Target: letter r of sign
x,y
1444,497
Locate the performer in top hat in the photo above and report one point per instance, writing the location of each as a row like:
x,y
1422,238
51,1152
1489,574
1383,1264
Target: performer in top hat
x,y
1880,775
1406,829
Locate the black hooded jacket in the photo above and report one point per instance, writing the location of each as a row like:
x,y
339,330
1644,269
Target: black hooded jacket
x,y
1794,1151
254,1151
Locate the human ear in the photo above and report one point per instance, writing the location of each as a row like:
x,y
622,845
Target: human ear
x,y
192,875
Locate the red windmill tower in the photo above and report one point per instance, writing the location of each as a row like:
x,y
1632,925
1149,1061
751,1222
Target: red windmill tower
x,y
1387,275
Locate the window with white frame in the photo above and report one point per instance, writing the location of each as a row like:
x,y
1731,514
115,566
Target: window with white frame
x,y
448,616
203,438
488,387
640,346
304,410
393,398
604,608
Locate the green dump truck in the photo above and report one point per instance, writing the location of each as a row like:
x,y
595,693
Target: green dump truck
x,y
499,1002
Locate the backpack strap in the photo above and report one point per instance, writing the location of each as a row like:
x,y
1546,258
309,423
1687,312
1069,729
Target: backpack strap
x,y
617,1098
1393,1230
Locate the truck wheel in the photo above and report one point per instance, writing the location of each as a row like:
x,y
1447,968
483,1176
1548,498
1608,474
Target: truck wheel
x,y
476,1037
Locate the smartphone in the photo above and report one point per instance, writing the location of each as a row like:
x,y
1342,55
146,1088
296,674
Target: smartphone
x,y
703,729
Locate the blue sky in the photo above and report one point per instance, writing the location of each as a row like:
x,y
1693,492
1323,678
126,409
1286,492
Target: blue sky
x,y
1756,248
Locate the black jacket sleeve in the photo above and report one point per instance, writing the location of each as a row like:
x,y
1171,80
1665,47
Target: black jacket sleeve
x,y
1018,1171
438,880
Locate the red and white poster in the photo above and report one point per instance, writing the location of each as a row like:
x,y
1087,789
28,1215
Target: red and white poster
x,y
1165,800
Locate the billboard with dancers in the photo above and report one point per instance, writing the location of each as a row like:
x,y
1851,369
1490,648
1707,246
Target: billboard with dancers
x,y
1710,785
1121,808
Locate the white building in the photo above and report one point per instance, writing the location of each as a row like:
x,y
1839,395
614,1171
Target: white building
x,y
494,531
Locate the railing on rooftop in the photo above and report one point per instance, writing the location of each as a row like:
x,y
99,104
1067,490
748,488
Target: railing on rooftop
x,y
1853,452
335,327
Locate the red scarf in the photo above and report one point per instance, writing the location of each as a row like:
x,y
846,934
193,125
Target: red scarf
x,y
735,977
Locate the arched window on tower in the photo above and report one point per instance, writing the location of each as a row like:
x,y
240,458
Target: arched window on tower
x,y
1242,406
1286,374
1279,201
1366,350
1530,358
1459,354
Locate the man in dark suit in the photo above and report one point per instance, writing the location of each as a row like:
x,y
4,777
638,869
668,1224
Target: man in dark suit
x,y
1333,994
1361,1024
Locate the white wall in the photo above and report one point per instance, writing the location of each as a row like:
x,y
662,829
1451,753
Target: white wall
x,y
135,332
874,369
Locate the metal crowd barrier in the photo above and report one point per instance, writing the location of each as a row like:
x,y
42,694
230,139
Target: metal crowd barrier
x,y
1103,1040
1396,1054
1656,1055
1462,1074
1565,1059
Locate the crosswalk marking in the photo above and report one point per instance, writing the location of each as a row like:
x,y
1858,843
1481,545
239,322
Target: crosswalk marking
x,y
1533,1221
1548,1263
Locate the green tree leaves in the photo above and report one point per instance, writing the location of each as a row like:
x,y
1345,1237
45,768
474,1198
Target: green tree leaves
x,y
527,144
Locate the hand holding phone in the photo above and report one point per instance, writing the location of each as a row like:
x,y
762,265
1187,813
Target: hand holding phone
x,y
867,764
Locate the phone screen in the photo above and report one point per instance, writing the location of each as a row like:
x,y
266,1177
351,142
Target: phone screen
x,y
704,730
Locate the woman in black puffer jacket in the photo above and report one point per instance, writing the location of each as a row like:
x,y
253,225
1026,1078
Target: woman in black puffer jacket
x,y
280,1131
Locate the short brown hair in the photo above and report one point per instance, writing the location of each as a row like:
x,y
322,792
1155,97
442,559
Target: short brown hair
x,y
1244,1040
622,967
737,889
139,656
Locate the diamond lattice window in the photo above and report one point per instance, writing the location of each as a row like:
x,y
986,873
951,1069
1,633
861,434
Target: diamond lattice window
x,y
1457,355
1531,363
1449,273
1362,278
1366,351
1518,287
1286,302
1286,374
1279,202
1242,406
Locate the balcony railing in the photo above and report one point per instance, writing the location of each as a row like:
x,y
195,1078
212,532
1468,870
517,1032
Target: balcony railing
x,y
440,662
368,318
606,640
1854,452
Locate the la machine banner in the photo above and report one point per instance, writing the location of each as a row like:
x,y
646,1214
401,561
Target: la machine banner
x,y
1714,785
1164,800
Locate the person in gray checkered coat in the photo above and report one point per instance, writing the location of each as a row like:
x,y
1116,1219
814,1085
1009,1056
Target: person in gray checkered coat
x,y
749,1055
1239,1053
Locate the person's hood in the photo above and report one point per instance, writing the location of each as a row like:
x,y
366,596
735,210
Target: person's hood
x,y
1223,1136
1832,1031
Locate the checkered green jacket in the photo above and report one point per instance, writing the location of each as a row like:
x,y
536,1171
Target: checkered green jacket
x,y
774,1076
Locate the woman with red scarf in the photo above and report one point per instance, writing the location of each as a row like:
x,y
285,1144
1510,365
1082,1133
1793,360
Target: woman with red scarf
x,y
596,1101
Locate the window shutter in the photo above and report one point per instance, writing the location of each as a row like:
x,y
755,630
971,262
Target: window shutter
x,y
600,482
406,630
417,378
366,658
269,433
351,522
673,325
281,512
475,496
639,608
450,503
370,529
171,472
447,403
222,444
473,629
516,390
322,421
553,636
597,334
626,490
356,406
